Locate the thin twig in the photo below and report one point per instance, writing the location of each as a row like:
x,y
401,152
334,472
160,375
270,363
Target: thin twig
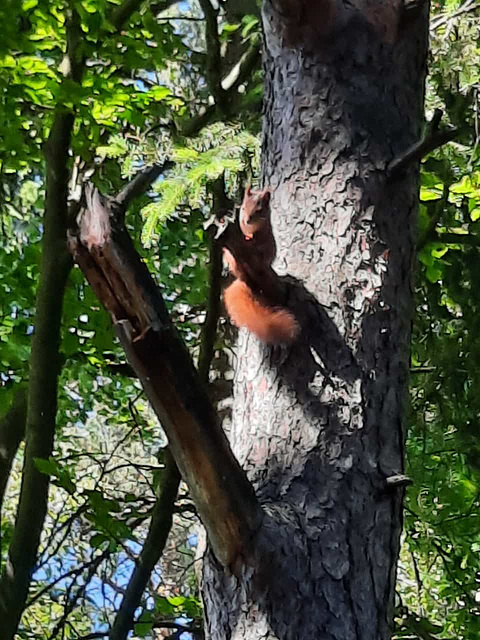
x,y
214,58
240,74
141,183
466,7
433,139
418,579
477,132
185,18
123,12
458,238
157,624
71,602
153,547
76,571
12,432
221,204
423,369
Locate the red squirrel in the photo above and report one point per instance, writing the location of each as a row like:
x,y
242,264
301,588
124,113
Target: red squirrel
x,y
271,324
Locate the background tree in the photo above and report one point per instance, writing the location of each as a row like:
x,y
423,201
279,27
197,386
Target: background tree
x,y
144,88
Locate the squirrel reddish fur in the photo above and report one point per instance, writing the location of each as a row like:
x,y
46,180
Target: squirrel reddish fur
x,y
272,325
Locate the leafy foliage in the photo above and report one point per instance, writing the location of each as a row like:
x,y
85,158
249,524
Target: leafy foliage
x,y
439,586
145,97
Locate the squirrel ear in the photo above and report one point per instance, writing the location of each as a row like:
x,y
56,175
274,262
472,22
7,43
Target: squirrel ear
x,y
266,195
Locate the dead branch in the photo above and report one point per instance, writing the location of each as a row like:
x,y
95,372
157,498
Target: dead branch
x,y
221,205
223,495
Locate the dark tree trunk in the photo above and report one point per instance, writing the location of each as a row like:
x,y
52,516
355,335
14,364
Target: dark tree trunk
x,y
318,426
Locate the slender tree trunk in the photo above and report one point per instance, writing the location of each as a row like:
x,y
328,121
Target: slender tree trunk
x,y
318,426
42,388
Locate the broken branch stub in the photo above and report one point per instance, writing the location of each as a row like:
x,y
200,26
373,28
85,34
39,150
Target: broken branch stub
x,y
224,497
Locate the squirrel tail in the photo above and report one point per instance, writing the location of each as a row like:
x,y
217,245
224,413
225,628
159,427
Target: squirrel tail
x,y
271,325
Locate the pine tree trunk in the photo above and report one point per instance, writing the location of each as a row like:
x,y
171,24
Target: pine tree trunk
x,y
318,426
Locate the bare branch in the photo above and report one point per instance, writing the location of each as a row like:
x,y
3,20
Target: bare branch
x,y
433,139
158,623
242,71
45,362
122,13
458,238
422,369
153,547
71,602
466,7
221,205
399,480
75,572
141,183
239,74
158,7
214,58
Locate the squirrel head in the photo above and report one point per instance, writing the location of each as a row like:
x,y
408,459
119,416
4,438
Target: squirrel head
x,y
255,206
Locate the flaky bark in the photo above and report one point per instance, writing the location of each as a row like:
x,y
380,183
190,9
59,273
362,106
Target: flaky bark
x,y
318,427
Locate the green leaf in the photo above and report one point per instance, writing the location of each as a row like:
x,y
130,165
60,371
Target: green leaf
x,y
160,93
97,540
427,194
144,626
100,504
164,607
48,467
229,28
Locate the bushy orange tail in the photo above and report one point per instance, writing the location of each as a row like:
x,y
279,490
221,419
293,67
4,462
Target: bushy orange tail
x,y
271,325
